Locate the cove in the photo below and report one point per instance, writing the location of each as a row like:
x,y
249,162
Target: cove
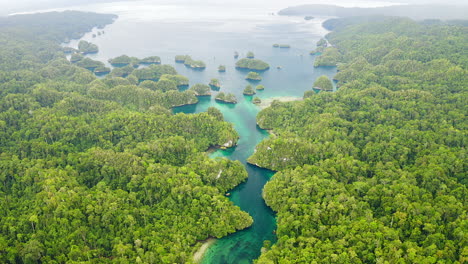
x,y
214,40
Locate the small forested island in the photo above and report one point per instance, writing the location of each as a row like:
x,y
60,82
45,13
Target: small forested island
x,y
249,90
226,98
221,68
150,60
201,89
250,55
252,64
194,64
282,46
253,76
256,100
124,60
86,47
260,87
323,83
214,83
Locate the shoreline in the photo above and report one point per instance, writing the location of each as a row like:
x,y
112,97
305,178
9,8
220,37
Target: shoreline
x,y
200,253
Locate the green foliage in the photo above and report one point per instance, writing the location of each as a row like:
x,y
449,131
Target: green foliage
x,y
86,47
226,98
89,64
181,58
252,64
201,89
254,76
221,68
250,55
194,64
215,83
256,100
249,90
329,57
374,172
100,170
323,83
260,87
180,80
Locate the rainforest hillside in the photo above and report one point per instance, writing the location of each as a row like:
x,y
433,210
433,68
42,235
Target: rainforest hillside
x,y
377,171
100,170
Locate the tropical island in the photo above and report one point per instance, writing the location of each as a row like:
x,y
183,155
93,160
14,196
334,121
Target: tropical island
x,y
201,89
252,64
228,98
180,58
260,87
249,90
323,83
86,47
194,64
250,55
253,76
123,60
256,100
221,68
215,84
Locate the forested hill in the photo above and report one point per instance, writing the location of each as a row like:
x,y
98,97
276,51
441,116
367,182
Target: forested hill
x,y
100,170
377,171
427,11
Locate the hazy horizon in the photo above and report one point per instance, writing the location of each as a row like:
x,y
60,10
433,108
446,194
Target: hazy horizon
x,y
9,7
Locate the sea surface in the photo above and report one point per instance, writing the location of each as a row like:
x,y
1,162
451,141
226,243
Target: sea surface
x,y
212,31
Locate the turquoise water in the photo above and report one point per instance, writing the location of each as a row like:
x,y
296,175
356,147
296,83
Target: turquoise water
x,y
214,39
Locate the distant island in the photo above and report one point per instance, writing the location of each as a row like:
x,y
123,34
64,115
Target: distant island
x,y
221,68
253,76
418,12
215,84
252,64
250,55
249,90
260,87
194,64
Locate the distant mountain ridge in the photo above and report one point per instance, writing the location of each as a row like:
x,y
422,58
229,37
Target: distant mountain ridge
x,y
412,11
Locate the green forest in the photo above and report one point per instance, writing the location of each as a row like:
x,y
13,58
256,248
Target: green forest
x,y
100,170
375,172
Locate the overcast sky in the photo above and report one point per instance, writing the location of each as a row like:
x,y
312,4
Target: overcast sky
x,y
11,6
